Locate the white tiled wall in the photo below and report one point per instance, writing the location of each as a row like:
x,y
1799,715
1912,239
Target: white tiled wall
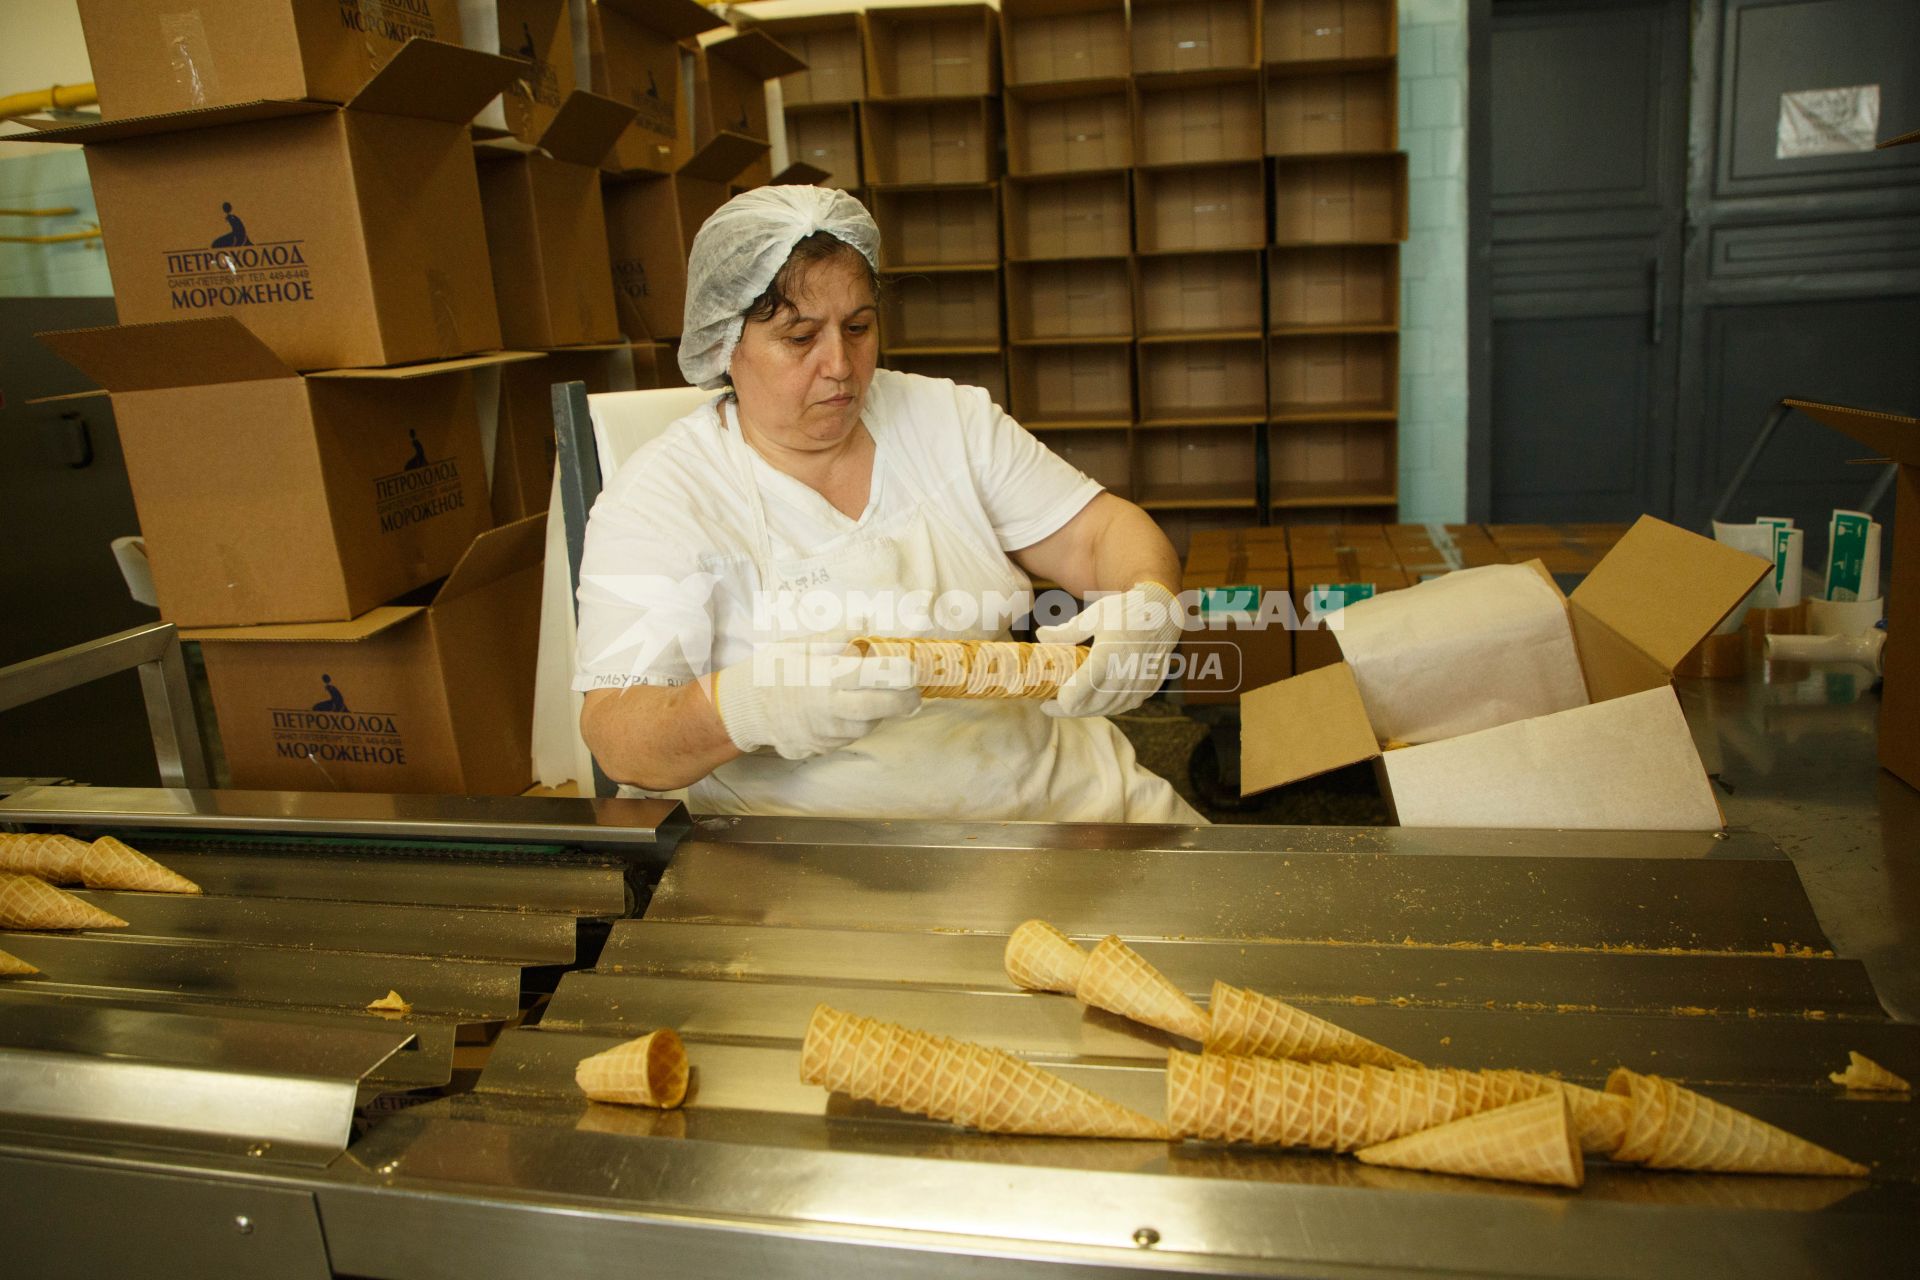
x,y
53,178
1433,263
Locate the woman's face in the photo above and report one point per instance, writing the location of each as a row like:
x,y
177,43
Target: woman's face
x,y
801,377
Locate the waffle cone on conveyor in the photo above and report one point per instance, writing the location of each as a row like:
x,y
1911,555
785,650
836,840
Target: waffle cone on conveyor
x,y
1041,958
28,902
955,1081
1118,979
1330,1106
1864,1073
648,1072
1529,1141
1675,1128
1246,1022
53,858
109,864
12,966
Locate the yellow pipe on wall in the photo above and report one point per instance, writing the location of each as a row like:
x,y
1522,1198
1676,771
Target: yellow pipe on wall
x,y
62,238
66,211
60,97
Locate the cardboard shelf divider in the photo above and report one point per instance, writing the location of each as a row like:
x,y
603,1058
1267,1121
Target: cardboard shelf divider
x,y
1194,468
1204,117
835,53
1332,463
932,51
1332,112
1059,41
1069,300
827,136
1201,208
1333,287
1082,127
1090,385
943,227
1340,199
941,141
1319,374
1185,295
1084,216
1203,383
1309,33
1195,35
983,369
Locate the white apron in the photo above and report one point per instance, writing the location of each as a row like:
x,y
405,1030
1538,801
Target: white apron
x,y
962,759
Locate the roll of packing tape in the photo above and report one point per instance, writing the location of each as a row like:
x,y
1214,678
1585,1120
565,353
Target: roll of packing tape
x,y
1843,617
1788,621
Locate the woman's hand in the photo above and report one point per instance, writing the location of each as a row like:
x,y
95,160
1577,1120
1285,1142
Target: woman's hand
x,y
803,700
1132,631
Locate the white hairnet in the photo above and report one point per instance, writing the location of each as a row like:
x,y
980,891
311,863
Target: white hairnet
x,y
739,250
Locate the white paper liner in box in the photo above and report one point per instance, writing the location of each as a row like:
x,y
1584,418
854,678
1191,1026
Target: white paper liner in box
x,y
1626,764
1462,652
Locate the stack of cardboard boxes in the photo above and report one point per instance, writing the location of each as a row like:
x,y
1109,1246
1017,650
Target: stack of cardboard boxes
x,y
822,103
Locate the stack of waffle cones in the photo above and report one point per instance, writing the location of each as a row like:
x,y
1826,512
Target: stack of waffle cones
x,y
1246,1022
106,863
956,1081
1530,1141
649,1072
28,902
979,668
1669,1127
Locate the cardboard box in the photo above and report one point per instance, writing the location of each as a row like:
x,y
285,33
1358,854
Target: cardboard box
x,y
1329,375
1342,200
1181,526
1073,128
1204,383
1895,437
538,36
338,236
1330,31
636,56
933,51
1100,454
828,138
547,229
832,46
1350,546
1209,117
947,311
1333,112
733,70
153,56
914,143
1333,464
427,697
1072,385
1420,555
651,221
1624,761
523,450
939,227
1356,287
1073,299
1194,35
1087,217
1211,207
1198,467
1249,654
266,496
978,369
1051,41
1189,294
1318,587
1474,547
1569,549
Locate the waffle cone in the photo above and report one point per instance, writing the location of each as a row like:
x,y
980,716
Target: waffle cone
x,y
1041,958
109,864
648,1072
55,859
27,902
1118,979
1676,1128
1529,1141
1246,1022
1864,1073
12,966
953,1080
1599,1118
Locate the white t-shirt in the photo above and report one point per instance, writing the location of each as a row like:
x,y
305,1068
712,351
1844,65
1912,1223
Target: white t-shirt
x,y
675,582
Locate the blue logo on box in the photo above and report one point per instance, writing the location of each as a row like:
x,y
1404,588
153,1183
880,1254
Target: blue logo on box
x,y
235,270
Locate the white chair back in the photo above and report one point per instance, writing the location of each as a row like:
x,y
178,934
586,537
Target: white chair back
x,y
622,422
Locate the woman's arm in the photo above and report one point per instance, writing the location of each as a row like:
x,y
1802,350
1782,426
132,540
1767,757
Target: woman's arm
x,y
656,737
1110,545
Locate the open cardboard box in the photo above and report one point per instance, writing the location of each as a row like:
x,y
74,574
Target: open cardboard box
x,y
538,35
1079,127
547,228
1895,437
915,143
834,51
523,444
941,311
1334,286
434,696
932,51
269,496
1205,383
1051,41
1334,111
1194,35
732,72
1208,207
150,56
1329,31
339,236
987,370
633,53
942,227
1082,385
1074,299
1201,118
1340,199
1625,760
828,138
1191,294
1075,217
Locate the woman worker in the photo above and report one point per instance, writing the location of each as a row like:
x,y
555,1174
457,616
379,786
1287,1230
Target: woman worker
x,y
820,499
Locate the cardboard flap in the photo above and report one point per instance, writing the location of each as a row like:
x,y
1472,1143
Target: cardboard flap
x,y
1663,589
1311,724
495,554
756,53
171,122
585,128
370,623
175,353
678,19
430,80
431,368
800,174
724,157
1895,436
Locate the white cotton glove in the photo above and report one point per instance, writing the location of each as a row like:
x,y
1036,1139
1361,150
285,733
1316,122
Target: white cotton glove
x,y
804,699
1139,628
